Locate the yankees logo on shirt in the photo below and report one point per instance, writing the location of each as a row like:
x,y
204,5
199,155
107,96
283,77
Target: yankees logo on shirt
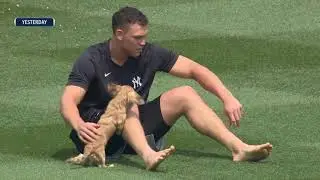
x,y
136,81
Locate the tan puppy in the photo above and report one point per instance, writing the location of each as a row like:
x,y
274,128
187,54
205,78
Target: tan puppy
x,y
113,119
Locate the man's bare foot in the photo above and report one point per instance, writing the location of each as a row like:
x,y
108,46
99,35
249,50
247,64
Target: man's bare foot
x,y
153,160
253,152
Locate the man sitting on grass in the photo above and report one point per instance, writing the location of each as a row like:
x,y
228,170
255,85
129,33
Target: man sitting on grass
x,y
128,59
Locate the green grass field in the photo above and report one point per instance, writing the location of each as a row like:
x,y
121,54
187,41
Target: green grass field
x,y
266,52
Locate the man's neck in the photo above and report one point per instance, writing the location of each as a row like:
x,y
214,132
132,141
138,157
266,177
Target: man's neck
x,y
116,53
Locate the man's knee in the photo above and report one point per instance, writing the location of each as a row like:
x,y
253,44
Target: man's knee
x,y
182,94
176,101
188,90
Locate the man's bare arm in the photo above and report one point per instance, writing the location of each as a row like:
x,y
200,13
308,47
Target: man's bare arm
x,y
70,98
187,68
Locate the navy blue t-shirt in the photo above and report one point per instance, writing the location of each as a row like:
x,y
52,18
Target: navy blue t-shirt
x,y
94,69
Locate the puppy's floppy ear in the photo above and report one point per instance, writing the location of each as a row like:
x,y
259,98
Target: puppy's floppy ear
x,y
113,89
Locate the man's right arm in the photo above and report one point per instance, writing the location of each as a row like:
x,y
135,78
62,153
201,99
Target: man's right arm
x,y
71,97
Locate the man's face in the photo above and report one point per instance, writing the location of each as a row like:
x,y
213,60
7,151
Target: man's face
x,y
133,39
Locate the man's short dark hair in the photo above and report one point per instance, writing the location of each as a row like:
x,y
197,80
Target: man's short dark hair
x,y
128,15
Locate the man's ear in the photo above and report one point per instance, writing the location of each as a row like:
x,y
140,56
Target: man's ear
x,y
119,33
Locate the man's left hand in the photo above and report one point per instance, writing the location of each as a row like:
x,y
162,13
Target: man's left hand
x,y
233,109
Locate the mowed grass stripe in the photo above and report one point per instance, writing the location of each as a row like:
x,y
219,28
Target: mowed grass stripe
x,y
246,91
29,169
243,16
30,107
233,15
54,37
243,57
25,72
158,22
45,98
280,124
249,18
246,55
13,115
255,62
95,6
87,28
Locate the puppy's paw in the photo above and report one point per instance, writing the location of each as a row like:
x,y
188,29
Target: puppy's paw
x,y
76,160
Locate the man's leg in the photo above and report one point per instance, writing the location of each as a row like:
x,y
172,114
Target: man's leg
x,y
185,101
134,134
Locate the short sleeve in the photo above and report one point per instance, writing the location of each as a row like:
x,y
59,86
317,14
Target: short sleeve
x,y
82,71
165,59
